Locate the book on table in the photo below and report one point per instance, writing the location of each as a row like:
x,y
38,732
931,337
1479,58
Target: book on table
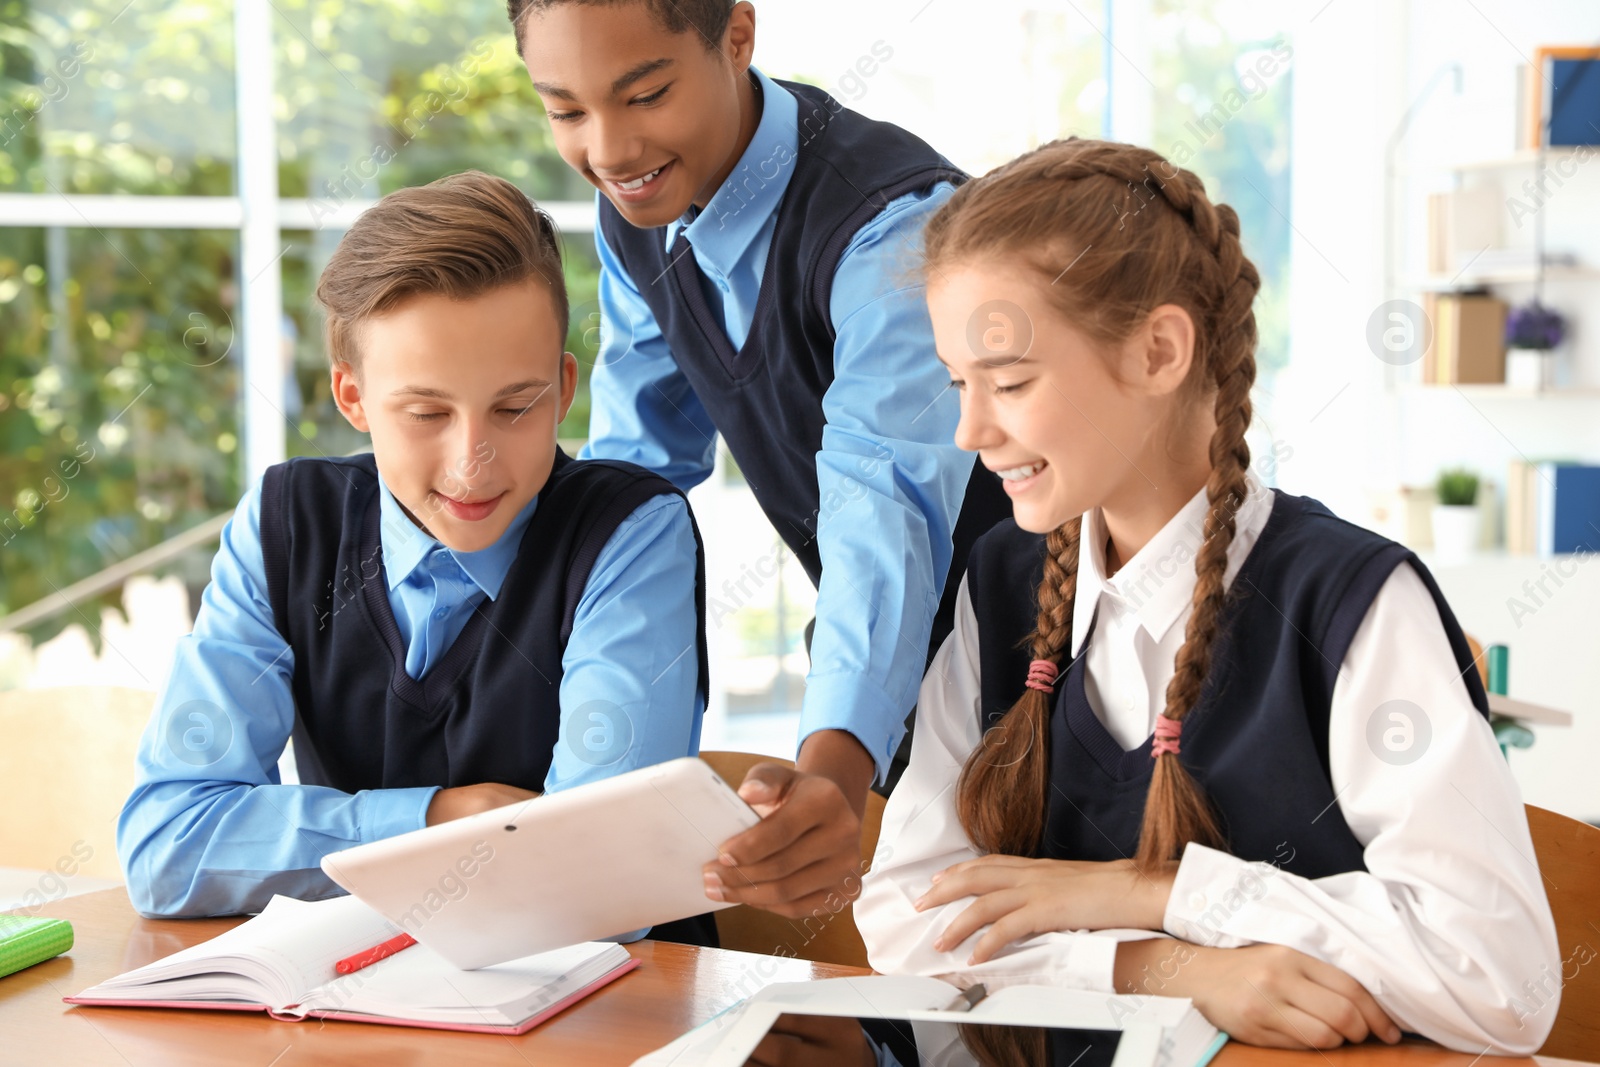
x,y
26,940
283,962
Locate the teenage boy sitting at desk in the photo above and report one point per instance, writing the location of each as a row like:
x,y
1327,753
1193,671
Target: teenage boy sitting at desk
x,y
461,619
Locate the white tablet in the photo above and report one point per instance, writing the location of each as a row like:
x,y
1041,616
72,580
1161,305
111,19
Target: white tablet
x,y
914,1021
895,1040
587,863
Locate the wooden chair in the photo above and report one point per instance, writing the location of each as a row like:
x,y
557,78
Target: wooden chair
x,y
1568,852
66,767
822,938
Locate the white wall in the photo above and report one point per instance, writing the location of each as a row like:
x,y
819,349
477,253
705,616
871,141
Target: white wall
x,y
1553,662
1359,66
982,88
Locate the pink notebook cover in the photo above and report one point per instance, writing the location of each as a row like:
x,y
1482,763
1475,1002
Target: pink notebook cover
x,y
356,1017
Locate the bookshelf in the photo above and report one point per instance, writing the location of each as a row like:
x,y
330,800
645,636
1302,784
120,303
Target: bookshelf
x,y
1501,391
1524,159
1533,216
1564,181
1441,283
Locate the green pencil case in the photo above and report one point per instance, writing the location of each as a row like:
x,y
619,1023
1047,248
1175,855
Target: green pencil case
x,y
25,940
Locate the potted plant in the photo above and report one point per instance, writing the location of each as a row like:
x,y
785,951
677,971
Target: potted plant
x,y
1532,333
1456,524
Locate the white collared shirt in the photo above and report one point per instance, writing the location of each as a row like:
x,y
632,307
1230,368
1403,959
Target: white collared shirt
x,y
1448,927
1139,614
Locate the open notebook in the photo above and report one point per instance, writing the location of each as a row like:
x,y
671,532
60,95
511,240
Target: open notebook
x,y
282,962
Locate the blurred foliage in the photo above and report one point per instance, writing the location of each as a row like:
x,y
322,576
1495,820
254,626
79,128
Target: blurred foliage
x,y
101,96
117,399
1219,117
105,96
376,95
118,345
1458,488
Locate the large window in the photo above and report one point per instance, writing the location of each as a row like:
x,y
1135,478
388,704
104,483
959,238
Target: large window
x,y
118,395
168,199
164,214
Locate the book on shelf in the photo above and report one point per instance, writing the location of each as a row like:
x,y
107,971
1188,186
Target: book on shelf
x,y
1565,92
1463,226
1430,357
283,962
1508,260
1469,346
1520,504
1552,507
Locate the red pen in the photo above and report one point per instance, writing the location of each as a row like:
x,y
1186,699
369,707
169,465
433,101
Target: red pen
x,y
352,964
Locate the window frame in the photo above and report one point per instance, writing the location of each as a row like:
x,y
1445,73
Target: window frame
x,y
257,213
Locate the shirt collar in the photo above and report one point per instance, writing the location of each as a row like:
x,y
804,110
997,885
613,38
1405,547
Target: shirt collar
x,y
1157,584
406,545
755,187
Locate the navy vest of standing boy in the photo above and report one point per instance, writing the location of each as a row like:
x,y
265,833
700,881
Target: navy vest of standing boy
x,y
767,397
1260,728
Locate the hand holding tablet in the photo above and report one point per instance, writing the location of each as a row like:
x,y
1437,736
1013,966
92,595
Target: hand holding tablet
x,y
584,864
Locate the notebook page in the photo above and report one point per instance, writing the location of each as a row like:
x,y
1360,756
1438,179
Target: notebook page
x,y
322,933
283,953
419,984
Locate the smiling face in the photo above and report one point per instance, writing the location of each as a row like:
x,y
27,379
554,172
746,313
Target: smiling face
x,y
462,399
655,120
1069,425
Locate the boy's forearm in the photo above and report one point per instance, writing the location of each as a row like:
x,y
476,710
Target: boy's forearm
x,y
229,851
838,756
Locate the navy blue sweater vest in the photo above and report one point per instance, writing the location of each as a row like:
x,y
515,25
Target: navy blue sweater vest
x,y
766,398
1257,741
488,709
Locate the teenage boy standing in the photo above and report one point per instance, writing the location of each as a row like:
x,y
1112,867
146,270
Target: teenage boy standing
x,y
760,257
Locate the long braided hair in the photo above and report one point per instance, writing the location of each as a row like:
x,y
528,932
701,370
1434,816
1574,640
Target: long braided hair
x,y
1136,232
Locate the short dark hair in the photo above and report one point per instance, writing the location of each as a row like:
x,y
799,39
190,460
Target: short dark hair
x,y
708,18
458,237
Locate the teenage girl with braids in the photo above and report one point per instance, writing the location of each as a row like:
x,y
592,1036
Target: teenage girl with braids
x,y
1190,736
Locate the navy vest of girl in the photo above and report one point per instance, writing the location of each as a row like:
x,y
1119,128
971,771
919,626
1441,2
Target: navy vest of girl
x,y
1257,741
488,710
766,398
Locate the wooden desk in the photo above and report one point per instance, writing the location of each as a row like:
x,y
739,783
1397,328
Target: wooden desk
x,y
674,990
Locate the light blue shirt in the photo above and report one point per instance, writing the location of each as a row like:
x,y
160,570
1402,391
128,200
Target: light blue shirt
x,y
889,475
210,829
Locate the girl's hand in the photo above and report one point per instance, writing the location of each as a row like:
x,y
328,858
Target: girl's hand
x,y
1261,995
1019,897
